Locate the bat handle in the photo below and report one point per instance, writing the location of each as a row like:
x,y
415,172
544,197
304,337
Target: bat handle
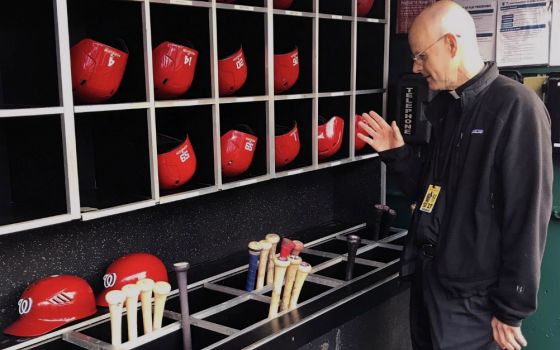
x,y
115,299
132,291
161,290
373,224
181,271
263,260
146,286
353,244
252,272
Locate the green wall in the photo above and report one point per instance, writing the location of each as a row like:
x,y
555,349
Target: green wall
x,y
542,329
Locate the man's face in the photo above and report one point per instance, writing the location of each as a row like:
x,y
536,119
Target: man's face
x,y
433,59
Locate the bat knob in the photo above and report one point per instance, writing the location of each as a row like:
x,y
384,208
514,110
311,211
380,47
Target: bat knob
x,y
353,239
162,288
146,284
115,297
181,266
131,291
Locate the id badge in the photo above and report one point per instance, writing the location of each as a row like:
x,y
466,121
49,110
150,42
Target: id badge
x,y
430,198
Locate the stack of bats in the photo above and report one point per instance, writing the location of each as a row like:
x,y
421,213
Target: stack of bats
x,y
285,269
379,221
128,296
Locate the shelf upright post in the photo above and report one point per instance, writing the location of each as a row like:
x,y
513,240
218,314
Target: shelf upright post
x,y
151,117
315,85
353,72
269,81
387,32
66,100
215,94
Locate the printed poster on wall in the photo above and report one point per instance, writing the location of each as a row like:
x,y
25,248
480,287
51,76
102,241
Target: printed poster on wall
x,y
523,32
484,14
407,10
555,34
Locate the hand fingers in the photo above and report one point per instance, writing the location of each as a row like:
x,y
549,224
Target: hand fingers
x,y
519,337
378,119
497,336
367,128
364,138
503,339
371,122
397,132
511,339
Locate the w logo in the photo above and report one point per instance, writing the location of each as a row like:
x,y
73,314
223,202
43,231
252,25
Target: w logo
x,y
109,280
24,305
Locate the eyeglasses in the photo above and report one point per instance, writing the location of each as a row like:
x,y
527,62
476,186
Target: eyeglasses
x,y
420,57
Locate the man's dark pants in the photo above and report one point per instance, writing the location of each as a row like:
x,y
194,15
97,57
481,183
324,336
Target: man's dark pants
x,y
440,322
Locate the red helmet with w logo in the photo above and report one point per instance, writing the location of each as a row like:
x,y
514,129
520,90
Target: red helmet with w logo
x,y
130,269
50,303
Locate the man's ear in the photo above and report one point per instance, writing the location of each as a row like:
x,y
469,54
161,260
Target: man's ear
x,y
451,42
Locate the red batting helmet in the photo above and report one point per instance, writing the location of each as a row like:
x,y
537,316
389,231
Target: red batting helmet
x,y
359,143
174,67
232,73
286,145
50,303
130,269
364,6
282,4
286,70
177,166
238,148
97,70
330,136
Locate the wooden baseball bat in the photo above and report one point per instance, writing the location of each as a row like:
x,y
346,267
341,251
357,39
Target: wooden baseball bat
x,y
295,261
263,259
353,242
303,270
181,270
146,288
298,247
286,247
254,253
115,299
161,291
131,292
273,238
280,265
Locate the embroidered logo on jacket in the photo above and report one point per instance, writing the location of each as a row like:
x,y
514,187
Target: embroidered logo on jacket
x,y
477,131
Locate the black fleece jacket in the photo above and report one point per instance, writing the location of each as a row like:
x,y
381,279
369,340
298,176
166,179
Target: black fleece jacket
x,y
497,194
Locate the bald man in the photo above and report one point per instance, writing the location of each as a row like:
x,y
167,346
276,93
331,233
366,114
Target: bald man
x,y
483,188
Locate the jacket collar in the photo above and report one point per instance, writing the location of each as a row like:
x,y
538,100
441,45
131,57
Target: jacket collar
x,y
469,90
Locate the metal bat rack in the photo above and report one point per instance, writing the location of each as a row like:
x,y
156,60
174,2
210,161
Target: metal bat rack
x,y
374,258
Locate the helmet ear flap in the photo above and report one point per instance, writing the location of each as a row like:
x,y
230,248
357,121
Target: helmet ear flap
x,y
238,148
232,73
97,69
330,135
286,70
359,144
177,164
174,69
286,145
